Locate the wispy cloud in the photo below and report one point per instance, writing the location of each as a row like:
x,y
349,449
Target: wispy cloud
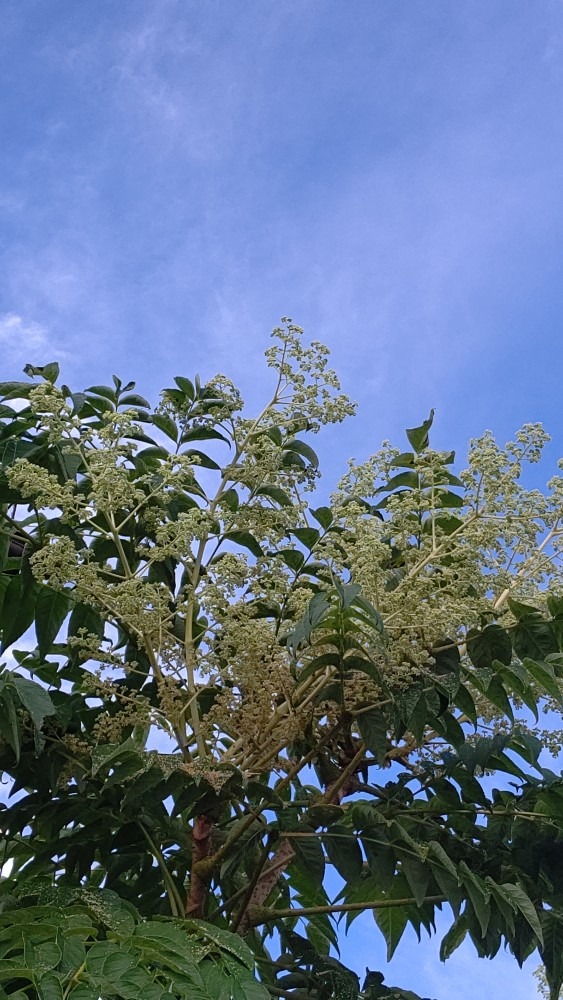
x,y
26,341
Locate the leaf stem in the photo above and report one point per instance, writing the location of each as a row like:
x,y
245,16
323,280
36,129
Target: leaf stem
x,y
176,905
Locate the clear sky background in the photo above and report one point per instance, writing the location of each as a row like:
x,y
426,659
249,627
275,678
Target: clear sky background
x,y
177,175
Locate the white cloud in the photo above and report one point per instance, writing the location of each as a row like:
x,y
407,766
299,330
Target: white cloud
x,y
23,339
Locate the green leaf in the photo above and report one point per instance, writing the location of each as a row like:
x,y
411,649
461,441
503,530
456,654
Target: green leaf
x,y
417,876
448,500
504,904
276,494
202,434
152,455
202,459
275,435
307,536
185,385
5,579
34,699
50,612
133,399
523,611
552,950
104,391
555,605
244,985
368,612
464,701
15,390
446,660
391,921
522,902
373,730
4,550
309,853
217,984
79,400
535,638
314,615
478,894
230,499
418,436
409,479
351,663
471,790
225,940
114,912
9,722
108,960
453,731
315,933
49,372
74,953
49,987
18,609
166,425
323,516
502,762
493,643
445,873
417,712
109,753
347,592
403,461
319,663
454,937
246,539
168,945
544,674
292,558
527,745
301,448
498,697
436,851
87,618
343,850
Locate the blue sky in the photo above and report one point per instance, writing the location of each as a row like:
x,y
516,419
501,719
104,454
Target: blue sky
x,y
177,175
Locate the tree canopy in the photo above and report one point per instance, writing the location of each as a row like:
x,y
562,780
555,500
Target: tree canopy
x,y
233,720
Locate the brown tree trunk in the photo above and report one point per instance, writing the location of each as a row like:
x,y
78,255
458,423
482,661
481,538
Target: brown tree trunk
x,y
281,859
201,848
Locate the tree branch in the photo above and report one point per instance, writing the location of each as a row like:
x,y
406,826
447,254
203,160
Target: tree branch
x,y
262,885
264,915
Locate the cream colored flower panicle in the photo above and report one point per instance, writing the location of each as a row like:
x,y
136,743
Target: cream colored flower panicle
x,y
34,481
196,556
309,388
447,552
183,582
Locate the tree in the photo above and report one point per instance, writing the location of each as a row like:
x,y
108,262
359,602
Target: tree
x,y
230,693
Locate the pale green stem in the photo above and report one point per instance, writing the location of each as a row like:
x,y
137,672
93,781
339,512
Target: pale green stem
x,y
430,557
526,567
176,905
189,651
75,979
